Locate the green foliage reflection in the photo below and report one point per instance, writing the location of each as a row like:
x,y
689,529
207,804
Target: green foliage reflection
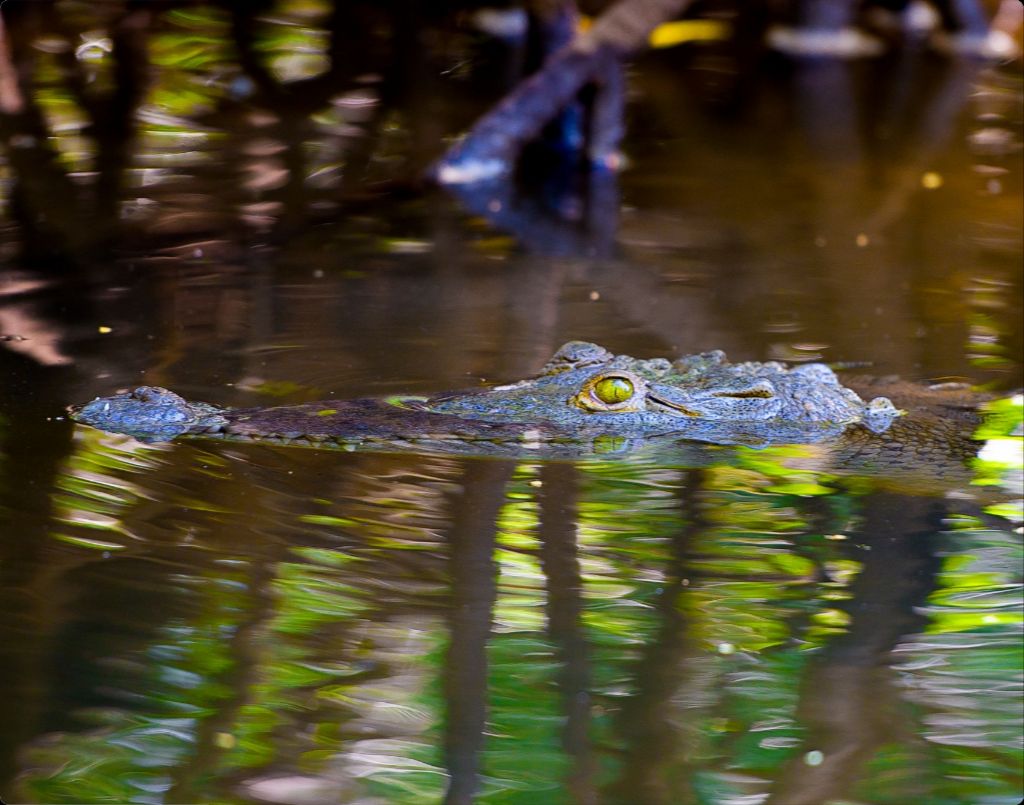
x,y
667,643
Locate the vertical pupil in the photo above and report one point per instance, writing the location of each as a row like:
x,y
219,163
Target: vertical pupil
x,y
613,390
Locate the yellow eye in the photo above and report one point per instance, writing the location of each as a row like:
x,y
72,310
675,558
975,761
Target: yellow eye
x,y
612,390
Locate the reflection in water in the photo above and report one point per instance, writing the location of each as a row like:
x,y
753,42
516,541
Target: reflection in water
x,y
558,504
279,624
240,623
473,579
849,704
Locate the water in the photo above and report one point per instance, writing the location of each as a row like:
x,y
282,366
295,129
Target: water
x,y
225,622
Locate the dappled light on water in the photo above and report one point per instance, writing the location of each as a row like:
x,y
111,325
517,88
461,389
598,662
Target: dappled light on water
x,y
265,624
228,200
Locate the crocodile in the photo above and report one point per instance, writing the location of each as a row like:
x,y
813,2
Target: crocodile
x,y
588,401
583,392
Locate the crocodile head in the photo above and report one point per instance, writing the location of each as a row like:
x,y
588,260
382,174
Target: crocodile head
x,y
149,413
586,388
584,391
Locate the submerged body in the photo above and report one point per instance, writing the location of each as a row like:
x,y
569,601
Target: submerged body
x,y
583,393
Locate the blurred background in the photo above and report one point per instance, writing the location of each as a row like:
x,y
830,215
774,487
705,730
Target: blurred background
x,y
232,199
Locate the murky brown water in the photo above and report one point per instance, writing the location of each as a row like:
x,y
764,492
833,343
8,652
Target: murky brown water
x,y
213,622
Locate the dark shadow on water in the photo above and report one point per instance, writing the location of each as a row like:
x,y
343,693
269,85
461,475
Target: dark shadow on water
x,y
559,559
474,589
850,703
31,594
654,767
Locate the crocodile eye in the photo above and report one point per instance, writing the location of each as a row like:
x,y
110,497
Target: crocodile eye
x,y
613,390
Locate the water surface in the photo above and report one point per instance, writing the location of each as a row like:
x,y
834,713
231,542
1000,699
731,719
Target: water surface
x,y
223,622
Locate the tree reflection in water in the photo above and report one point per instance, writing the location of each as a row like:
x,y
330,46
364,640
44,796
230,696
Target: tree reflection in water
x,y
618,631
225,198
